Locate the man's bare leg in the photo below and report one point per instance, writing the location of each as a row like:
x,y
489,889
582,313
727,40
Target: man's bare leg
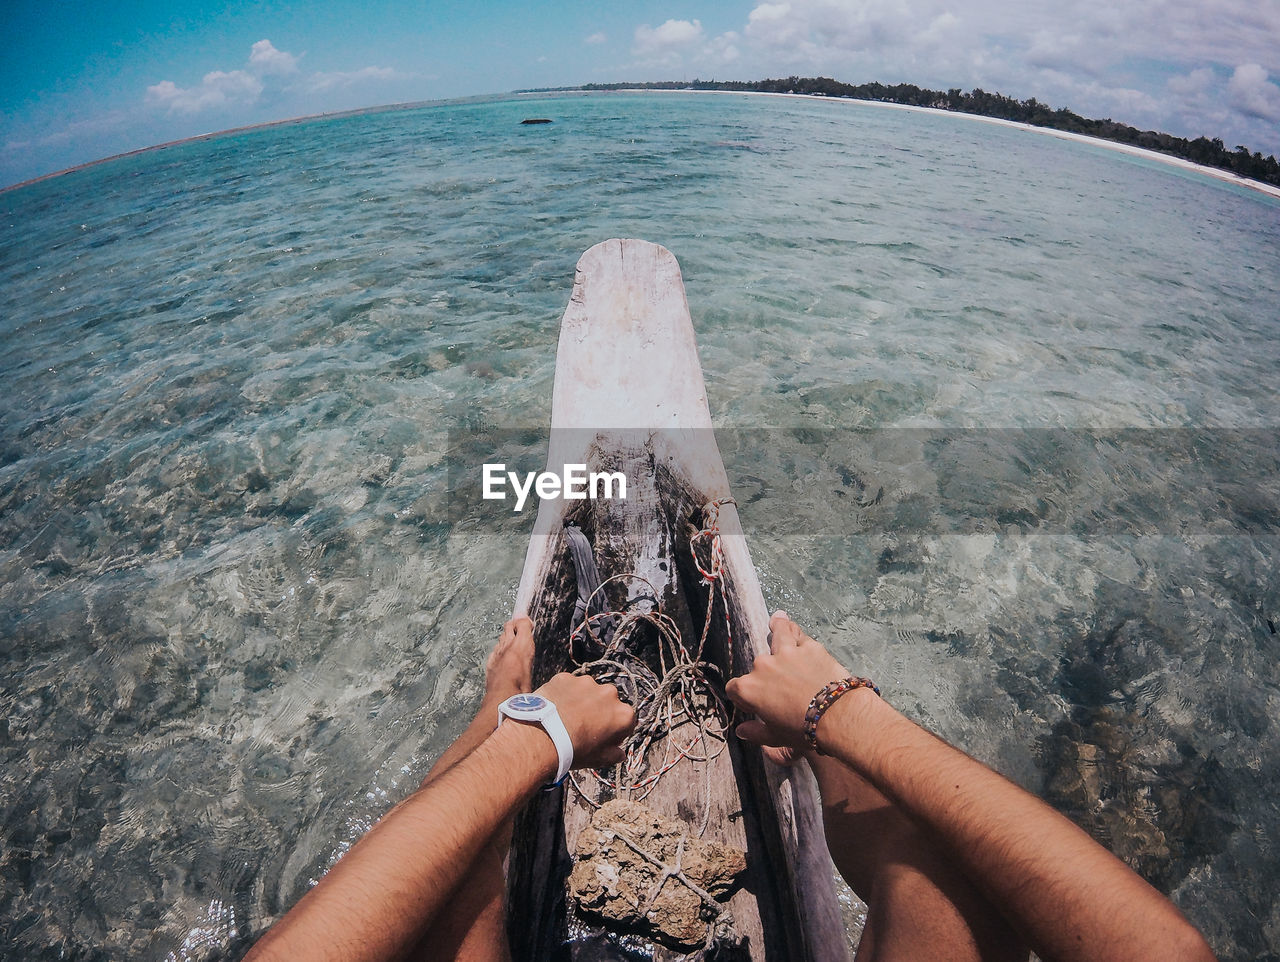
x,y
919,905
474,927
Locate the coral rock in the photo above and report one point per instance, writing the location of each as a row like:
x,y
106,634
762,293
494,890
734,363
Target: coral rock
x,y
610,880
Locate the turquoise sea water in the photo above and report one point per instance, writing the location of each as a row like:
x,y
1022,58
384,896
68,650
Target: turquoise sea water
x,y
1001,411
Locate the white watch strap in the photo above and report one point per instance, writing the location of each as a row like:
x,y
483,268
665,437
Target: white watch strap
x,y
559,735
564,744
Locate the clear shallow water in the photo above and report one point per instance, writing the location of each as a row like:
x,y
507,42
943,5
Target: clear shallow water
x,y
236,624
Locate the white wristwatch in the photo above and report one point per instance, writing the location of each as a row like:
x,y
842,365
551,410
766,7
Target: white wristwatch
x,y
535,708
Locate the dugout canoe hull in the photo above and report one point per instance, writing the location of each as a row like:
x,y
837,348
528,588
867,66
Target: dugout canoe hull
x,y
629,396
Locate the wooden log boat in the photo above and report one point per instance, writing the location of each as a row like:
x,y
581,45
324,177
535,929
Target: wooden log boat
x,y
629,396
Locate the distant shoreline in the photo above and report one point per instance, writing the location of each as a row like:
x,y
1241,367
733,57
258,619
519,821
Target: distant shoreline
x,y
215,134
164,146
1216,173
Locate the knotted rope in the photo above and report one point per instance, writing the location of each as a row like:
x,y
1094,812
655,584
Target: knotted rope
x,y
677,694
713,572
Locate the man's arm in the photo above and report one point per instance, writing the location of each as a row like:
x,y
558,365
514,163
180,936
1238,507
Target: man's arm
x,y
1067,896
383,894
1064,893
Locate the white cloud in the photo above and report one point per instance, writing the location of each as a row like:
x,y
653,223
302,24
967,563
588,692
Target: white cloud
x,y
1164,65
1069,35
723,49
774,25
1111,99
596,38
339,79
822,27
942,28
1253,94
769,13
265,59
224,88
1185,32
216,89
669,36
76,130
1243,107
1054,50
262,74
1199,31
1198,101
1193,85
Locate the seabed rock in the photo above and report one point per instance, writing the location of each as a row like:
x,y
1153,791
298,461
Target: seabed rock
x,y
376,472
612,880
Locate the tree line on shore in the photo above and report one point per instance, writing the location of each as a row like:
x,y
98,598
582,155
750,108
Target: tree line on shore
x,y
1202,150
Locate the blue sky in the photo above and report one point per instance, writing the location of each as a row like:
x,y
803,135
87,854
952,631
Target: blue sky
x,y
80,81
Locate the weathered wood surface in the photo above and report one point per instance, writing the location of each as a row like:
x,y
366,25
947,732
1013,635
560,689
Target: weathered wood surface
x,y
629,394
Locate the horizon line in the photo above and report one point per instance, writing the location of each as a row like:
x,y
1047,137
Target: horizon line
x,y
1216,173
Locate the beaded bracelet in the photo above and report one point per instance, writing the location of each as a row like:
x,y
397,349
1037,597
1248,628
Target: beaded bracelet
x,y
823,700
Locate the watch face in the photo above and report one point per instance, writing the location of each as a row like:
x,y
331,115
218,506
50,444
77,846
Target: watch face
x,y
526,702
